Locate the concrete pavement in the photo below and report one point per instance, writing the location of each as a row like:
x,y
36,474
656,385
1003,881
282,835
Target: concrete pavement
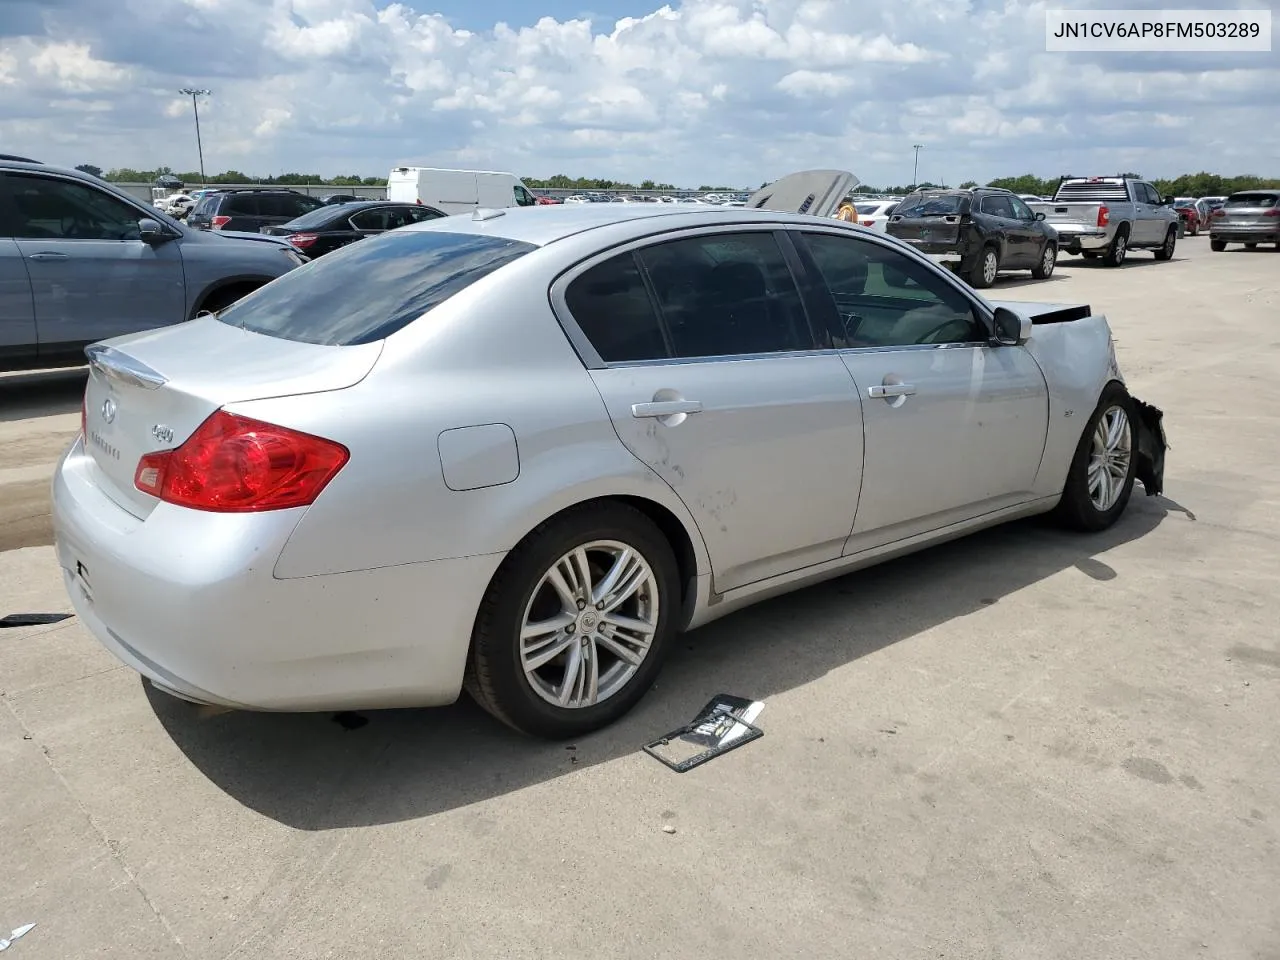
x,y
1027,744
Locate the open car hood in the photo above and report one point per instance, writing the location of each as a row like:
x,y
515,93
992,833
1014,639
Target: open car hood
x,y
814,192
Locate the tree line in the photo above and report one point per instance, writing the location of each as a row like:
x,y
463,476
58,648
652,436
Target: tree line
x,y
1188,185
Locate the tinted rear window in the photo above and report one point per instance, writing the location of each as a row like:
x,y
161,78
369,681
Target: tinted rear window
x,y
245,203
1252,200
934,206
369,290
318,218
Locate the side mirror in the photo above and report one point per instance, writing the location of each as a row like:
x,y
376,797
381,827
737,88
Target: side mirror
x,y
1039,214
1012,329
150,231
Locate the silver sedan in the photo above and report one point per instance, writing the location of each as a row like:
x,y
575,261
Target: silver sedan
x,y
520,451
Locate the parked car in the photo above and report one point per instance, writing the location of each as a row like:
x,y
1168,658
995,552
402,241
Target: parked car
x,y
1205,207
81,260
326,229
522,450
458,191
874,214
250,209
542,201
331,198
1109,216
1188,215
1249,217
979,232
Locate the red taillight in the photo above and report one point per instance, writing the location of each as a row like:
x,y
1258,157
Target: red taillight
x,y
1104,215
219,222
303,240
233,464
1273,212
868,223
1219,212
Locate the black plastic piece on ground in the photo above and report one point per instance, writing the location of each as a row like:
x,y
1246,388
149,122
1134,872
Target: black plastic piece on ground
x,y
33,619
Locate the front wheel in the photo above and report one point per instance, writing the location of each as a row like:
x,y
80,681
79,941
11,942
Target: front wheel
x,y
1100,480
1217,246
1048,260
573,628
984,271
1165,250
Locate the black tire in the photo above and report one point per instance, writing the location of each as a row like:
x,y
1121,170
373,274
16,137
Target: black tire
x,y
1165,250
1076,509
495,675
1195,231
1043,269
1118,249
984,270
1217,246
221,299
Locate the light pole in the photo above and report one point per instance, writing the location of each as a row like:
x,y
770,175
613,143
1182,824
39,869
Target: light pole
x,y
915,169
192,92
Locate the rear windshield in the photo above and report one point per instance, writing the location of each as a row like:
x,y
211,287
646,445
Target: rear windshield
x,y
369,290
943,205
317,217
1252,200
867,209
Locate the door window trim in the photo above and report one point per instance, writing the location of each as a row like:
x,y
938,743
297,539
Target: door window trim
x,y
591,358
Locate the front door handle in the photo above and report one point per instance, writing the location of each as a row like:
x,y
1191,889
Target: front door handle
x,y
665,408
882,390
48,255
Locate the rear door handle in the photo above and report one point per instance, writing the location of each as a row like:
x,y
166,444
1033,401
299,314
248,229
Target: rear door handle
x,y
48,255
665,408
881,390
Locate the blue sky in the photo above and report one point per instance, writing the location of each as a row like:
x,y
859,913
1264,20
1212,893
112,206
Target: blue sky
x,y
696,91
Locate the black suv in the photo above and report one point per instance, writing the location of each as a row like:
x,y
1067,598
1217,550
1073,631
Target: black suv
x,y
250,210
978,233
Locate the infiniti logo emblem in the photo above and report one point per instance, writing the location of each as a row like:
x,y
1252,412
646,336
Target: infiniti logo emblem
x,y
108,409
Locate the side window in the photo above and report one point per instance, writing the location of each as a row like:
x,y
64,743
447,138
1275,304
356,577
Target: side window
x,y
47,209
997,205
295,207
1020,210
614,311
419,214
727,294
886,299
523,197
244,205
373,219
1147,193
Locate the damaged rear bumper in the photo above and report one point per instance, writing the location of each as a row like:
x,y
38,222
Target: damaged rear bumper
x,y
1151,447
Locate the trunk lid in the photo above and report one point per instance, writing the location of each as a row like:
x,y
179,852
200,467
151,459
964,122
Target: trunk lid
x,y
1251,209
930,221
150,391
814,192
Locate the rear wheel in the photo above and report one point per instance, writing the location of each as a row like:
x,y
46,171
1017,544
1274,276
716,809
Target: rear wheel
x,y
1048,260
221,299
1217,246
1165,250
574,626
1102,472
985,270
1119,248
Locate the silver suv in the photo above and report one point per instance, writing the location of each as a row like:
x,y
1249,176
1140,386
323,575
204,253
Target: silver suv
x,y
82,261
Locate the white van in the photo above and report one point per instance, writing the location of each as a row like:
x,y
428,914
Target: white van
x,y
457,191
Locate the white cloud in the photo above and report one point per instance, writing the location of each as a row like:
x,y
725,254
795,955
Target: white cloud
x,y
693,91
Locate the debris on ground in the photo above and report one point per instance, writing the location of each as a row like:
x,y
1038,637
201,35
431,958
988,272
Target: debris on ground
x,y
22,931
722,725
32,620
668,828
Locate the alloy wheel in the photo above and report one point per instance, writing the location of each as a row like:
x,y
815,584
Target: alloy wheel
x,y
989,267
589,624
1049,261
1110,454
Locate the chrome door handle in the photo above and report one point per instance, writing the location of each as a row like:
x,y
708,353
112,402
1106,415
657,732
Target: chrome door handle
x,y
665,408
881,390
48,255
